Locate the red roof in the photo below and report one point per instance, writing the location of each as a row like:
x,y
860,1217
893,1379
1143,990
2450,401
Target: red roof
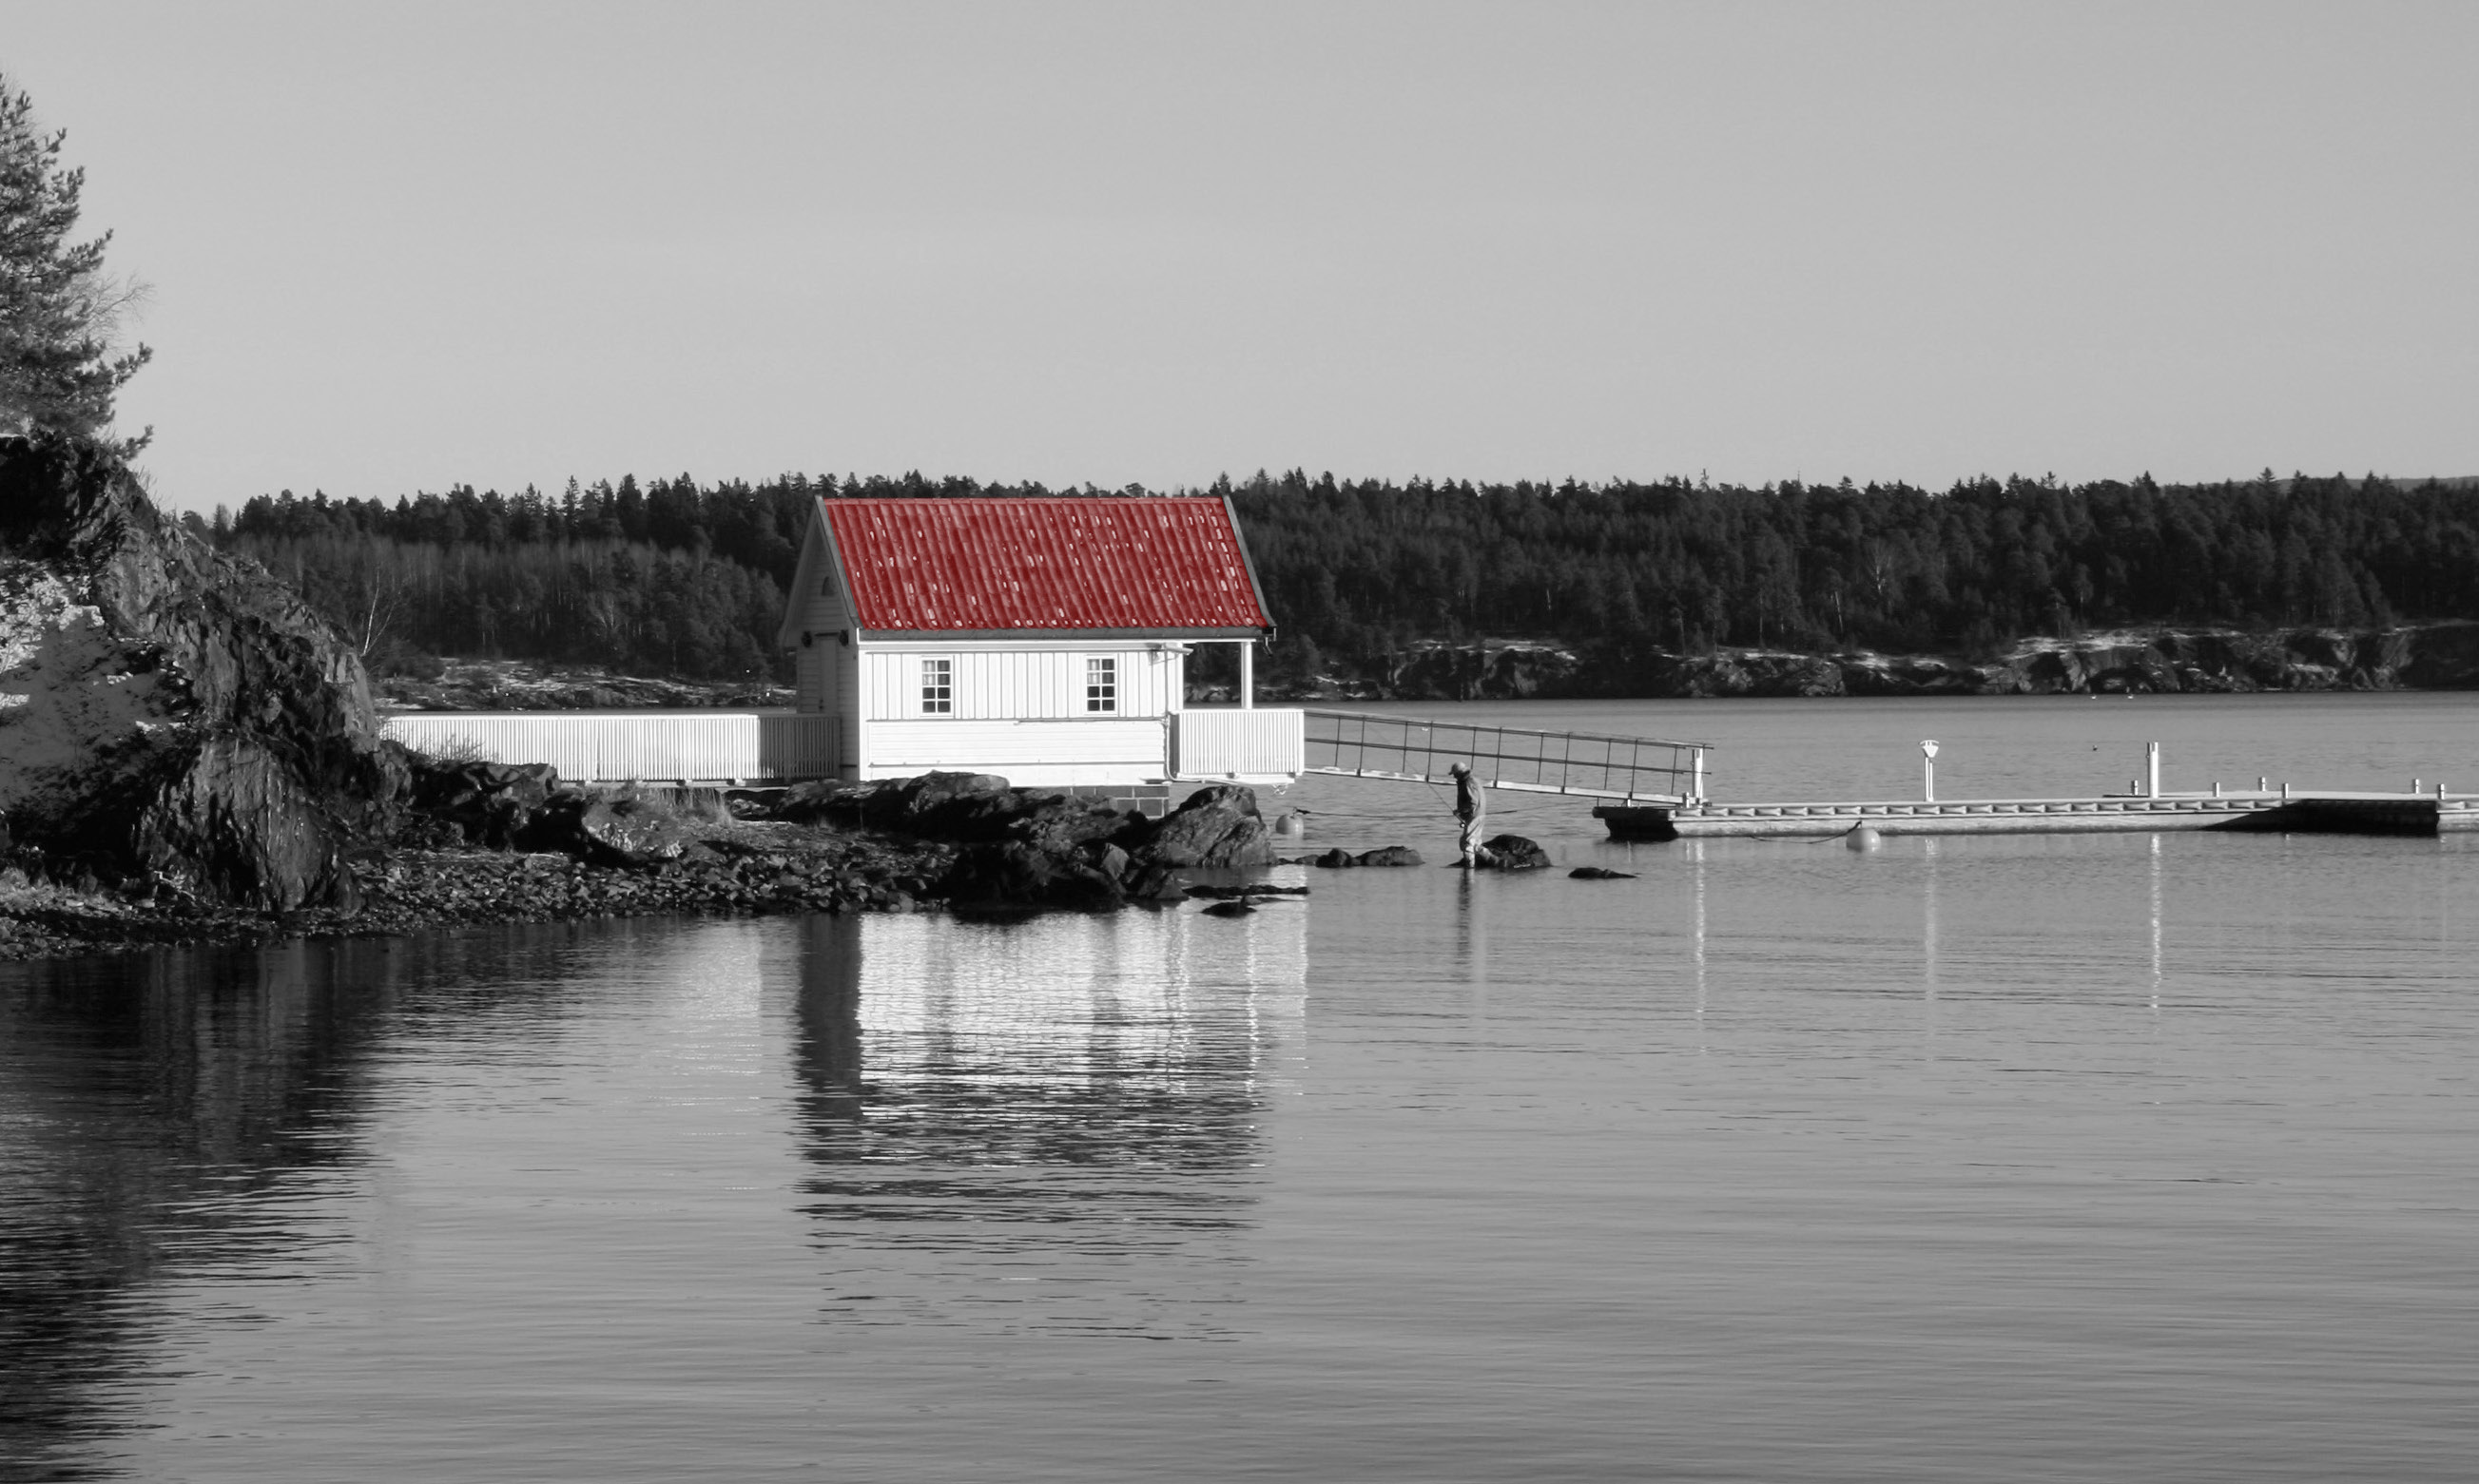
x,y
1083,563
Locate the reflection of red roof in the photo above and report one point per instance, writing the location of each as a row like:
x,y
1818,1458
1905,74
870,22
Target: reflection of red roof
x,y
1091,562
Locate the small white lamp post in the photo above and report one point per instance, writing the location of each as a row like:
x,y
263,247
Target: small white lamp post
x,y
1927,771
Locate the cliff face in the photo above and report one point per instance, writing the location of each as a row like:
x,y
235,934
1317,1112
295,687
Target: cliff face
x,y
2435,656
167,713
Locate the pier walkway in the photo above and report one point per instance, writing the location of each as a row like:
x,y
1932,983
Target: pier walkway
x,y
2323,811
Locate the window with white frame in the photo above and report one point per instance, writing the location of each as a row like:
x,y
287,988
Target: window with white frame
x,y
1102,683
937,687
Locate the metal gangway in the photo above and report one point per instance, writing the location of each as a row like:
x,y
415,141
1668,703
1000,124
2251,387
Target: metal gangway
x,y
1648,770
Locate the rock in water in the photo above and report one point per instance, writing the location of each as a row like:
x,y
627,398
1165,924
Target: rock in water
x,y
1512,852
1391,856
1217,827
1600,874
165,708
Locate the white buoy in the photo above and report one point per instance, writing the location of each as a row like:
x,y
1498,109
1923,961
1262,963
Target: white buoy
x,y
1863,838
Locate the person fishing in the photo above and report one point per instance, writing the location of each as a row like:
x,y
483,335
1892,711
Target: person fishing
x,y
1470,803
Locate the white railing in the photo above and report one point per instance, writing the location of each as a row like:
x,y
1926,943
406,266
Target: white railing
x,y
1265,742
706,747
1418,750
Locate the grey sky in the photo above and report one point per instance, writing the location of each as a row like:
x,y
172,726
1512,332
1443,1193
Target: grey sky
x,y
395,247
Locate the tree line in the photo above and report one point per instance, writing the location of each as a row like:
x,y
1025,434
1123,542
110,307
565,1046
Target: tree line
x,y
676,577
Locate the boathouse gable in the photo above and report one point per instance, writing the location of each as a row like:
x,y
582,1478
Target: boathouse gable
x,y
1043,639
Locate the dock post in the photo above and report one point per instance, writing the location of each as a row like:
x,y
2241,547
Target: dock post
x,y
2151,770
1695,761
1928,772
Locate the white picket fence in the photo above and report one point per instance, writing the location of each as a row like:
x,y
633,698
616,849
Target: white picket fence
x,y
697,747
1254,744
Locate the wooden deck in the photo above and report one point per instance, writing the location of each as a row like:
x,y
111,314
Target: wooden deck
x,y
2320,812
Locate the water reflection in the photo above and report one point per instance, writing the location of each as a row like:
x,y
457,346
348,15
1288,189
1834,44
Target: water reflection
x,y
154,1112
172,1117
1050,1097
2155,931
1704,1046
1928,948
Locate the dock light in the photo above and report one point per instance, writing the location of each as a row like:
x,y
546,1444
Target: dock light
x,y
1927,771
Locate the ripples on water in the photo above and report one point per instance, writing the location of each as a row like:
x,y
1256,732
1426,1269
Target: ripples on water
x,y
2085,1158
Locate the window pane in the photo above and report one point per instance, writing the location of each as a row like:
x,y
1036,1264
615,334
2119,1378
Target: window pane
x,y
937,687
1102,684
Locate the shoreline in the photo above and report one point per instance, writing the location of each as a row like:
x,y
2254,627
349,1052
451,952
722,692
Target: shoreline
x,y
748,870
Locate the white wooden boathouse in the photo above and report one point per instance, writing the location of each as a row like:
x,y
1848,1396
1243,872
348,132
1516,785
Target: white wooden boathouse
x,y
1045,640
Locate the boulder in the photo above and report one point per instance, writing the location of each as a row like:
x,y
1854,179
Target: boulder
x,y
1253,891
1512,852
625,833
490,803
1390,856
615,830
1155,883
167,711
1217,827
1336,860
1017,876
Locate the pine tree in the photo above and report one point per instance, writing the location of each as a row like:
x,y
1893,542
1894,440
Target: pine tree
x,y
59,309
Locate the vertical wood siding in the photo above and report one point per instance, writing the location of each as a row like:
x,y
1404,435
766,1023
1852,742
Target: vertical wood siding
x,y
1024,753
612,747
1019,685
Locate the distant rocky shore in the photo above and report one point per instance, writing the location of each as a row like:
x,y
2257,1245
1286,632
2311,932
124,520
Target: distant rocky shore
x,y
516,685
2430,656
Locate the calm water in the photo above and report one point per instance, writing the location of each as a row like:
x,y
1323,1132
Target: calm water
x,y
2062,1158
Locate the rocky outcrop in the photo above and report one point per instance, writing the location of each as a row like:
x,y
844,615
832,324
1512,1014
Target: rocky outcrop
x,y
168,713
1033,847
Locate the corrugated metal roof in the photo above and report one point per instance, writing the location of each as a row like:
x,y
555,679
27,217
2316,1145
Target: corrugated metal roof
x,y
1091,562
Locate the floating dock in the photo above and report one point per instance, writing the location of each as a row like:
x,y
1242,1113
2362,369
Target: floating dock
x,y
2290,811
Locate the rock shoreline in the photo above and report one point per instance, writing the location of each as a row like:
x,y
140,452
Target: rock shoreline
x,y
482,843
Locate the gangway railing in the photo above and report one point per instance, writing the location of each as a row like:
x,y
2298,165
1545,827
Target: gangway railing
x,y
1358,744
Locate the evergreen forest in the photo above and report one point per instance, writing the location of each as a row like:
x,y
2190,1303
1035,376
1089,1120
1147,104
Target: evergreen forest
x,y
672,577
